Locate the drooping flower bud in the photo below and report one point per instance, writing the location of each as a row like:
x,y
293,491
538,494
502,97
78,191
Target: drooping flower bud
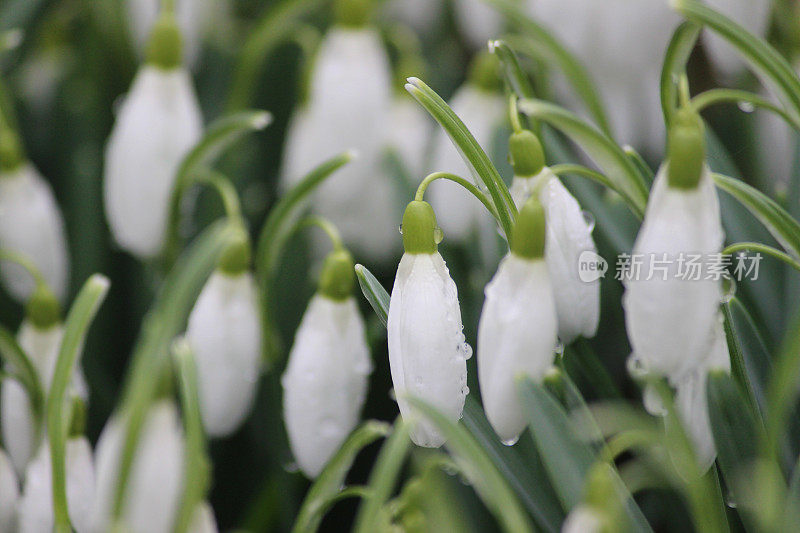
x,y
154,487
686,150
427,352
348,109
31,226
225,334
40,337
36,505
325,382
9,494
482,108
158,123
518,325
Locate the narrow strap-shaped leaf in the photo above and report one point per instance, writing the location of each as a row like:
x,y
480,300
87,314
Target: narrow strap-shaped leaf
x,y
739,366
516,77
20,367
565,456
162,324
605,152
274,236
220,135
196,464
772,216
478,468
782,391
765,61
383,479
542,44
374,292
328,486
80,317
474,156
678,51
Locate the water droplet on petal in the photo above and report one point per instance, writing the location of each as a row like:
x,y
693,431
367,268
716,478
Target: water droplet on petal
x,y
559,350
588,218
438,235
746,107
400,229
467,350
636,367
729,289
730,501
510,442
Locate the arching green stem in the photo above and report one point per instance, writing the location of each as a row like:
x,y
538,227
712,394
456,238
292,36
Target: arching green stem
x,y
25,262
762,248
513,113
602,179
733,96
461,181
225,189
326,226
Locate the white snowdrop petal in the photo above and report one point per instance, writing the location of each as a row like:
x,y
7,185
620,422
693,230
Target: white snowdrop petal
x,y
225,334
158,123
422,15
752,14
9,494
156,477
427,352
582,519
669,319
478,21
16,415
325,382
516,335
348,109
31,225
483,113
36,504
203,520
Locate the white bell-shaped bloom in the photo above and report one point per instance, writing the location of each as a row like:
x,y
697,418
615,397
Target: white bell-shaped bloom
x,y
203,520
669,313
31,225
427,352
483,113
753,15
477,21
9,494
195,18
422,15
325,382
568,236
20,433
36,504
410,134
348,109
155,483
157,125
225,334
583,519
516,335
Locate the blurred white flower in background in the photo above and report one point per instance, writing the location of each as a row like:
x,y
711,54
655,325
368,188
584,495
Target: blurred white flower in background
x,y
422,15
31,225
36,505
158,123
155,481
410,134
477,21
203,520
752,14
9,494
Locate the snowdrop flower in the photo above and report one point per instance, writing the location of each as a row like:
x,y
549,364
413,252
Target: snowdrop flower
x,y
225,333
583,519
517,329
155,482
194,18
348,109
752,14
409,134
482,108
40,337
669,319
158,123
422,15
30,223
427,352
36,504
203,520
9,494
568,236
325,382
478,21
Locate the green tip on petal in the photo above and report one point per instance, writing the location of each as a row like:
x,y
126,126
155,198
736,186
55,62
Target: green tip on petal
x,y
526,153
419,228
337,279
528,234
235,258
11,154
165,47
352,13
484,72
686,150
77,423
43,309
